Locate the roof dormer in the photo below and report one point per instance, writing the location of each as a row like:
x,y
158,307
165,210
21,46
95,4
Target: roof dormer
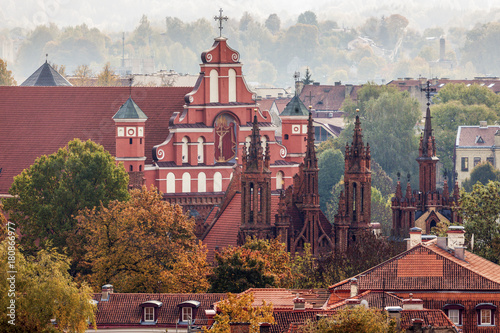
x,y
150,312
188,311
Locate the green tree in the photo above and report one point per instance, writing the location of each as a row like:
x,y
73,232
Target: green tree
x,y
381,211
43,291
482,173
273,23
6,78
479,210
307,77
47,195
482,46
255,264
240,309
331,168
107,77
353,320
136,243
308,17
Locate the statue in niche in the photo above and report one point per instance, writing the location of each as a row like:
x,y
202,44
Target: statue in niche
x,y
225,138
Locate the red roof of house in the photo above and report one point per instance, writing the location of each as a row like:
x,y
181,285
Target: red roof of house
x,y
431,317
470,136
327,98
123,310
40,120
430,268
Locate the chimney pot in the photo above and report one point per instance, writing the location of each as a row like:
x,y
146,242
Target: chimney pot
x,y
354,287
413,303
395,313
106,290
415,237
299,303
456,236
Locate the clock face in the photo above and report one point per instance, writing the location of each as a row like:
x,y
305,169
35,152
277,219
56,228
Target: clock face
x,y
130,131
296,129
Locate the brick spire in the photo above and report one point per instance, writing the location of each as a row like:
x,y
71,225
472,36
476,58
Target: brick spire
x,y
310,160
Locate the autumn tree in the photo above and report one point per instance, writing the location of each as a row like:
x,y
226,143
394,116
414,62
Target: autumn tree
x,y
139,243
107,77
6,78
358,319
241,309
256,264
43,291
83,76
47,195
479,210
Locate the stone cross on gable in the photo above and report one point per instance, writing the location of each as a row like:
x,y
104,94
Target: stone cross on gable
x,y
428,91
220,18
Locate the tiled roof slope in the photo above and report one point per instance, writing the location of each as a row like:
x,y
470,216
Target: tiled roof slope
x,y
434,318
467,136
40,120
328,98
375,299
124,309
280,298
428,267
283,319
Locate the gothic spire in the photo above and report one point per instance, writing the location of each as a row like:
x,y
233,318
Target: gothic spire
x,y
427,139
310,160
254,151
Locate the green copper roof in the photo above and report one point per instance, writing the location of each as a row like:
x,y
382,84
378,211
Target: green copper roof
x,y
130,110
295,108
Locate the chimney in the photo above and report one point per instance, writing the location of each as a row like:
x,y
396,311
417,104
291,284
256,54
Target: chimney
x,y
395,314
239,327
460,252
210,314
354,287
352,302
413,303
106,290
483,124
265,328
442,49
415,237
456,236
417,324
441,242
299,85
299,303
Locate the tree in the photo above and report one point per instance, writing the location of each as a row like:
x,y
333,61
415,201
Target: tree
x,y
107,77
6,78
47,195
479,210
61,69
307,78
273,23
256,264
356,320
482,173
83,75
139,243
43,291
308,17
481,46
381,211
331,168
240,309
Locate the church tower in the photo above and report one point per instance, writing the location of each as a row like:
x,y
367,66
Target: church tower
x,y
255,188
354,211
130,123
294,128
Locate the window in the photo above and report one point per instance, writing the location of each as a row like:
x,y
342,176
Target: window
x,y
131,140
286,136
454,312
279,180
465,164
477,160
217,182
140,167
186,182
149,314
187,314
232,85
140,141
185,150
490,160
202,182
131,168
454,316
201,154
170,183
214,86
486,317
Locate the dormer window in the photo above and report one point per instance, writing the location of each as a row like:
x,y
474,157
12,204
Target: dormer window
x,y
454,312
188,310
150,312
479,139
486,314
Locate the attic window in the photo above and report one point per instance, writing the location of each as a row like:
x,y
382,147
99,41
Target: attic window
x,y
454,312
479,139
188,310
320,102
150,312
486,314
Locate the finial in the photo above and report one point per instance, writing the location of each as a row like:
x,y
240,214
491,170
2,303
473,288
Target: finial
x,y
399,175
357,110
408,176
428,91
296,76
130,80
220,18
46,57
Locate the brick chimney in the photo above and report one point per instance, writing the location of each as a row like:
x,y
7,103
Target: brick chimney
x,y
415,237
210,314
106,290
299,303
239,327
456,236
354,287
413,303
395,314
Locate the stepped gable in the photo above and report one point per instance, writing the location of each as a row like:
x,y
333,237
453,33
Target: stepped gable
x,y
46,76
40,120
123,310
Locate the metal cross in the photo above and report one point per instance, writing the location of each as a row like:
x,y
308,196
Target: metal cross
x,y
428,91
310,96
220,18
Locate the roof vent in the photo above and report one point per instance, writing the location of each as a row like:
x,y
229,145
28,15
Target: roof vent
x,y
479,139
107,289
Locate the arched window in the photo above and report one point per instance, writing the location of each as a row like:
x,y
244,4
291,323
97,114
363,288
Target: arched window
x,y
232,85
247,141
217,182
131,168
185,150
201,154
202,182
279,180
170,183
214,86
286,136
186,182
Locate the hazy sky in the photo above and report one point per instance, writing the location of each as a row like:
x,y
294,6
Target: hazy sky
x,y
118,15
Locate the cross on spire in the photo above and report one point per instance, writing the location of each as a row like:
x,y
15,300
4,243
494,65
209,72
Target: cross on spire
x,y
428,91
220,18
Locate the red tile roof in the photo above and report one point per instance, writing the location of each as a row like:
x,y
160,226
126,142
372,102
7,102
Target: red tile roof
x,y
40,120
281,298
467,136
434,318
285,318
327,98
122,310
